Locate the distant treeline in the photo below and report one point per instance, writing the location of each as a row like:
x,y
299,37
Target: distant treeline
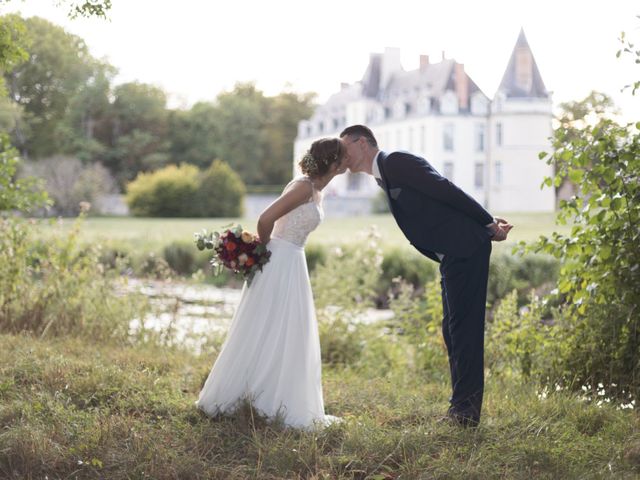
x,y
62,102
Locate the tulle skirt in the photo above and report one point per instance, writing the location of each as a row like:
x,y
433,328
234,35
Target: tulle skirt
x,y
271,355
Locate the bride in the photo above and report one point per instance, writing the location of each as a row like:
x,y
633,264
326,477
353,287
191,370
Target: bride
x,y
271,355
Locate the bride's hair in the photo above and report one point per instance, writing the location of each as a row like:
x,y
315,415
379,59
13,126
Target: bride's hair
x,y
319,158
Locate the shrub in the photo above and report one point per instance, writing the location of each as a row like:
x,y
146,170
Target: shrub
x,y
520,341
22,194
316,254
221,192
68,182
349,275
169,192
600,273
184,259
59,287
522,274
409,265
185,191
379,203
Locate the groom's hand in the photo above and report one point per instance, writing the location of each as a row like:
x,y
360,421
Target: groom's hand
x,y
503,224
500,229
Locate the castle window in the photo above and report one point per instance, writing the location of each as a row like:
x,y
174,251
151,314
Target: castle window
x,y
498,134
423,139
479,140
447,137
498,173
478,180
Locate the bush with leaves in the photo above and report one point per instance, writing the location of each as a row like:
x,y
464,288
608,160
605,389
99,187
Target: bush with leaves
x,y
168,192
185,191
221,191
17,194
600,272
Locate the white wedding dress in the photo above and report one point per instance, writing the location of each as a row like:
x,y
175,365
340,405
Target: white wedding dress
x,y
271,355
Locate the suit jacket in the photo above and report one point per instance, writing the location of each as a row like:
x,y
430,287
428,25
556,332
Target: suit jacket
x,y
434,214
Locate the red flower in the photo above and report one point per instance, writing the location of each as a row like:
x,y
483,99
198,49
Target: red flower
x,y
230,246
250,261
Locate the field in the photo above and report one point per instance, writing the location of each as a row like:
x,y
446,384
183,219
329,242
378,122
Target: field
x,y
153,233
76,410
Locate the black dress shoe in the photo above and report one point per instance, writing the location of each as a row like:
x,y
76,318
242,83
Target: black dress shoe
x,y
463,420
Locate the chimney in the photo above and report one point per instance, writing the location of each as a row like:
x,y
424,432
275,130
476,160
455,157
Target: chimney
x,y
443,56
343,85
424,62
462,86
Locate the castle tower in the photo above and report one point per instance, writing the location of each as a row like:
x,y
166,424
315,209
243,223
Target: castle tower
x,y
519,129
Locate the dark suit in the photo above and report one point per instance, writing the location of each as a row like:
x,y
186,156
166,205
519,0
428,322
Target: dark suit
x,y
436,216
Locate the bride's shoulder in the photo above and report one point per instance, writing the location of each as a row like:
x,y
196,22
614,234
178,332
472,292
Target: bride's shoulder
x,y
300,183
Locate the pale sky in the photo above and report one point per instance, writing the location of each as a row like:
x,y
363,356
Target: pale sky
x,y
194,49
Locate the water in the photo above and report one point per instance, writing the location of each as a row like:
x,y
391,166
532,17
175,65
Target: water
x,y
194,314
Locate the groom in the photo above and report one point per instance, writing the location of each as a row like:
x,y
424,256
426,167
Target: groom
x,y
448,226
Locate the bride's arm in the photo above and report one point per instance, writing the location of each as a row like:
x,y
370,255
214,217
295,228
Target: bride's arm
x,y
296,195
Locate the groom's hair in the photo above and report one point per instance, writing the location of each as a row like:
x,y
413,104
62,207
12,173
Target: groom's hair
x,y
357,131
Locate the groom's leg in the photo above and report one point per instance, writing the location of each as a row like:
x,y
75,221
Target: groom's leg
x,y
465,284
445,331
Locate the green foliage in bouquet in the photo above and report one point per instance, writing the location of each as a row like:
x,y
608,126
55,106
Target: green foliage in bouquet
x,y
235,249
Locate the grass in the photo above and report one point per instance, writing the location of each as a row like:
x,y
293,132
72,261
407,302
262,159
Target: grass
x,y
69,409
153,233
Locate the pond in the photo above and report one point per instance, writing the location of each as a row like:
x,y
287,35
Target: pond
x,y
192,314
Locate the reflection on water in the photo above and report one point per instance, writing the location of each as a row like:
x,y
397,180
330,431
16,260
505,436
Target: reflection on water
x,y
193,314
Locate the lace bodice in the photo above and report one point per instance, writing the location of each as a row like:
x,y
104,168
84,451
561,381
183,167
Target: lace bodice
x,y
296,225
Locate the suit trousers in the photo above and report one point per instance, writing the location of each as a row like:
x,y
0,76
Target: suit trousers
x,y
464,296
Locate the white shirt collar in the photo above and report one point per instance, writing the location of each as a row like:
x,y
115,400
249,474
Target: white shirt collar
x,y
375,170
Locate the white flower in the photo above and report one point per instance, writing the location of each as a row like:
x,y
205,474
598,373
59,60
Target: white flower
x,y
242,258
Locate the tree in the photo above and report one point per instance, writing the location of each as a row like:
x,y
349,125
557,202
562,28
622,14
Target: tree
x,y
27,193
221,191
86,127
59,65
139,123
255,134
572,118
239,128
598,328
192,135
284,113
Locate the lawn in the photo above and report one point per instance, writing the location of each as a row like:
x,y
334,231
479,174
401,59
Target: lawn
x,y
70,409
153,233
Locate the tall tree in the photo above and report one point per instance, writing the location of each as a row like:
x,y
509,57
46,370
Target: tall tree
x,y
193,136
139,123
239,127
86,129
255,134
284,113
59,64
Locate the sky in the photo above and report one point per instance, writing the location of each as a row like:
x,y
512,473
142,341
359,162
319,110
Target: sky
x,y
195,49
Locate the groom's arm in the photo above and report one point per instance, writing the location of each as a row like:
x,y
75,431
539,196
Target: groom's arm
x,y
415,172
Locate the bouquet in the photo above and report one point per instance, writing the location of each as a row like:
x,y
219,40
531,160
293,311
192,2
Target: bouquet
x,y
236,249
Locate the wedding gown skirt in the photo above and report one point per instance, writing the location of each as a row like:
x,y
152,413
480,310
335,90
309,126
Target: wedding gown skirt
x,y
271,355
